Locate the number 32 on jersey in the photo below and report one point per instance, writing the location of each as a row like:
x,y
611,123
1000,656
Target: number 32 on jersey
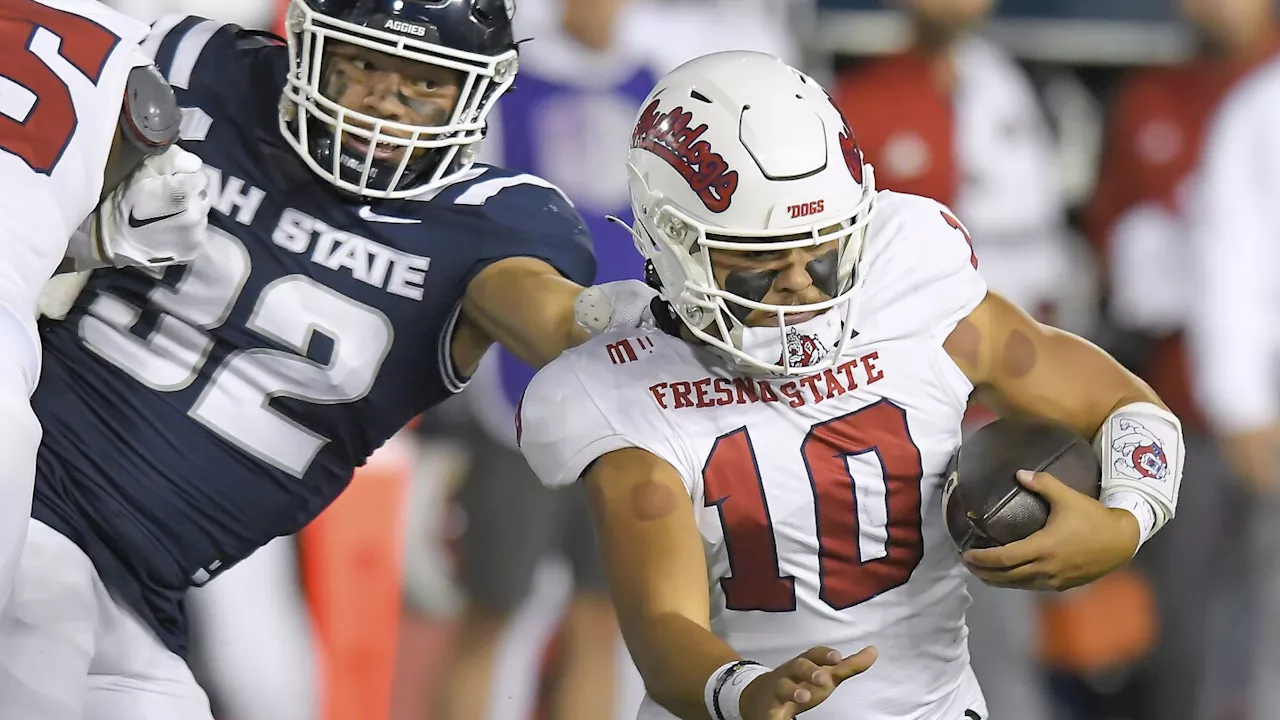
x,y
235,403
732,484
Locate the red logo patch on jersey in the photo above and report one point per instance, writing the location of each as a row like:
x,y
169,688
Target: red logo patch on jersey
x,y
669,136
802,349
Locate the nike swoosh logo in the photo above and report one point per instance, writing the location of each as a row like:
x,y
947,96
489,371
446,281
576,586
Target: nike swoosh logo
x,y
134,222
367,213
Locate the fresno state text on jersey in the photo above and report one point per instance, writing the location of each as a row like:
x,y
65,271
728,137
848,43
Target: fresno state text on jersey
x,y
817,498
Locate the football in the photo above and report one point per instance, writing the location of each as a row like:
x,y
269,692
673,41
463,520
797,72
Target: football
x,y
984,505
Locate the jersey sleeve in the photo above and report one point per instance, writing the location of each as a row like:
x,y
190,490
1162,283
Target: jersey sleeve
x,y
922,272
526,216
573,413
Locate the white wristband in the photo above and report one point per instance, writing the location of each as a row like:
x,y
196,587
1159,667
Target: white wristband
x,y
723,691
1140,508
1140,448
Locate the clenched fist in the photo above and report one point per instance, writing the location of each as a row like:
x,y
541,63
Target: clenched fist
x,y
158,216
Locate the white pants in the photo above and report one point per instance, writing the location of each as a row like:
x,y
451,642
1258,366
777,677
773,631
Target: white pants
x,y
68,651
20,434
255,640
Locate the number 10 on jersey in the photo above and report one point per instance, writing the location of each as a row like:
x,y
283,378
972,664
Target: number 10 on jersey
x,y
732,483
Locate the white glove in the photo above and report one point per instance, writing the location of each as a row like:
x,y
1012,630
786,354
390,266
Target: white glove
x,y
158,216
618,305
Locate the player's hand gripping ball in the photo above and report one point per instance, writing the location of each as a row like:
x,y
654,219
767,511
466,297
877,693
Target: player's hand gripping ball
x,y
1021,504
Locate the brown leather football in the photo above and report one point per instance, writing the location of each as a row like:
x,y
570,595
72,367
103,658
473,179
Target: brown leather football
x,y
984,505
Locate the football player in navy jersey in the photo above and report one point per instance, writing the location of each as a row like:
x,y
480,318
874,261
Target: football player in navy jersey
x,y
357,266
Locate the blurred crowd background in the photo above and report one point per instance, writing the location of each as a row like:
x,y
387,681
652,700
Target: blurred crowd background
x,y
1117,162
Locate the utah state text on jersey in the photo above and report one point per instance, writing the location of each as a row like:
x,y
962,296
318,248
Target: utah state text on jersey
x,y
190,417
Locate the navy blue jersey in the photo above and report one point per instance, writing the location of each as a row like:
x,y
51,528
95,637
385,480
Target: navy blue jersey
x,y
192,416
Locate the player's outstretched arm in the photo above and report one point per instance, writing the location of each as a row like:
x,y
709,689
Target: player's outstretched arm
x,y
657,573
1022,366
526,306
536,313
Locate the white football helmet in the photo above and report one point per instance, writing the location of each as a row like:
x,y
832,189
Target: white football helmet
x,y
733,151
472,37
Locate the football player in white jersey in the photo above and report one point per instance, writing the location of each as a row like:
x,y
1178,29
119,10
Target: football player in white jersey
x,y
765,467
90,179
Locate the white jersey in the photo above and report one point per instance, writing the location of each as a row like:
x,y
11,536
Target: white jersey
x,y
63,67
818,498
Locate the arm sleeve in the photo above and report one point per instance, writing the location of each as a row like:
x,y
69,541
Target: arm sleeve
x,y
1231,325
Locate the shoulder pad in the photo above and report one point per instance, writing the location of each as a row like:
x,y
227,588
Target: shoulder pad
x,y
590,401
920,267
203,56
512,198
515,214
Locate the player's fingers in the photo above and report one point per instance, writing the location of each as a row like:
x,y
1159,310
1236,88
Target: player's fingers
x,y
177,160
1005,557
804,670
788,690
785,711
822,655
1046,486
855,664
186,189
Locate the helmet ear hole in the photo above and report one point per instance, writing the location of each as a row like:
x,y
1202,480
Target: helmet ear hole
x,y
651,277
